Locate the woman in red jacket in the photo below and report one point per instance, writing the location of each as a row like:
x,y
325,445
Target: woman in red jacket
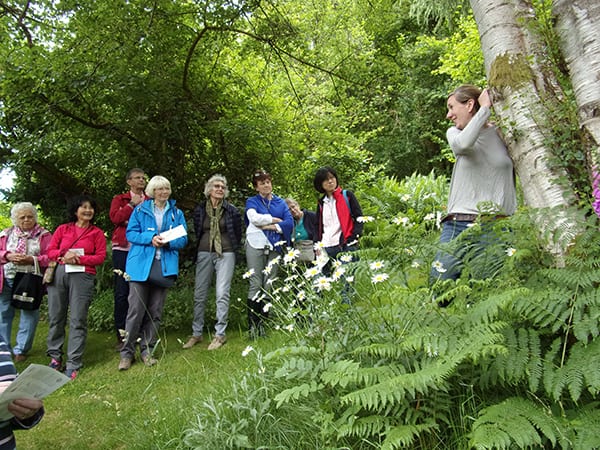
x,y
78,246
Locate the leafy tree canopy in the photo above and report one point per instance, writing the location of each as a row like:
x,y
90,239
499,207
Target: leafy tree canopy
x,y
187,89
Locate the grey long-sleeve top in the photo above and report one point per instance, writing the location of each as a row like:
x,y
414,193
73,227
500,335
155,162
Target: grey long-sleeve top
x,y
483,171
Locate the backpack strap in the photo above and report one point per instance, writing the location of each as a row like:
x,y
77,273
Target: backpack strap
x,y
345,194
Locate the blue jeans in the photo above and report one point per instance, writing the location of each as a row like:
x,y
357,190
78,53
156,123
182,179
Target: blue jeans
x,y
207,264
479,245
451,264
27,322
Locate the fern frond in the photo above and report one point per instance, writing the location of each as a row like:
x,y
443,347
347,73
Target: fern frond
x,y
401,388
585,428
295,368
577,372
363,426
522,360
515,421
586,315
573,277
544,308
296,392
405,435
341,373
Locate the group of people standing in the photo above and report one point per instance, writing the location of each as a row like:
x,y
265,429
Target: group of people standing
x,y
271,225
145,251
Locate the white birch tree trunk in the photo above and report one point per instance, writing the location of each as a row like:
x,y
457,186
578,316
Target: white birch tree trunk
x,y
514,67
578,29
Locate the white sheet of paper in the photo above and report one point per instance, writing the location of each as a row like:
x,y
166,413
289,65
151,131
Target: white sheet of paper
x,y
73,268
36,381
173,233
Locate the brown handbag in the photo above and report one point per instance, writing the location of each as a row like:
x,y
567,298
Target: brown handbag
x,y
49,273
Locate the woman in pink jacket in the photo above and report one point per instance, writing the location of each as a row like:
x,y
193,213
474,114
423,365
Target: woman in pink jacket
x,y
19,245
78,246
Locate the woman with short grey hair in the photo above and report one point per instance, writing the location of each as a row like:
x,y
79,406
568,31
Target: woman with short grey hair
x,y
20,246
218,226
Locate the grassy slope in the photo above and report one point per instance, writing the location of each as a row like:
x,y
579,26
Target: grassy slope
x,y
143,408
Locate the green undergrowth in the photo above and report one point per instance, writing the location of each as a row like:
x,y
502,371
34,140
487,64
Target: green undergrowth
x,y
143,408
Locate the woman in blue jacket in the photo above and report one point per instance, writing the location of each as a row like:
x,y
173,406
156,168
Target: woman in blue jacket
x,y
152,266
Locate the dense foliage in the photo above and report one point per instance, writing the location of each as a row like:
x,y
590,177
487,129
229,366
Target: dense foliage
x,y
510,363
189,89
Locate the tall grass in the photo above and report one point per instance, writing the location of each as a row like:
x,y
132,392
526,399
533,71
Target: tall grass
x,y
142,408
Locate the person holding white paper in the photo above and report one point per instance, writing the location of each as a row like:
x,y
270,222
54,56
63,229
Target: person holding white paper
x,y
77,242
26,413
150,253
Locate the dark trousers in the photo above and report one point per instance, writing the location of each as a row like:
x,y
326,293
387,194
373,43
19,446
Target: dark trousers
x,y
333,253
119,258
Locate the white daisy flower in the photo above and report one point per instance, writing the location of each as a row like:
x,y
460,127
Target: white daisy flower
x,y
346,258
322,284
437,265
311,272
248,274
338,273
379,277
511,251
291,256
376,265
365,219
247,350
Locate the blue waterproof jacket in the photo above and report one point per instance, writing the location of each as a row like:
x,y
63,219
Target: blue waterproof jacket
x,y
140,231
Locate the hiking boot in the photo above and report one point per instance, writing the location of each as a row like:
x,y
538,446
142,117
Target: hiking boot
x,y
192,341
20,357
72,373
217,342
149,361
125,363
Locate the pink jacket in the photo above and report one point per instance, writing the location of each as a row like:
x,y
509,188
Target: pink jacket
x,y
45,236
92,241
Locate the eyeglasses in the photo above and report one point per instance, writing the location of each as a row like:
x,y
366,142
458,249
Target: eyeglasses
x,y
218,186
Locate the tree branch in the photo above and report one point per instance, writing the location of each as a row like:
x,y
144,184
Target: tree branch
x,y
111,127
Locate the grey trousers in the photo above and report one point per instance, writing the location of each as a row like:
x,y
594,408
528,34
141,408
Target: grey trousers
x,y
69,294
207,264
258,259
146,303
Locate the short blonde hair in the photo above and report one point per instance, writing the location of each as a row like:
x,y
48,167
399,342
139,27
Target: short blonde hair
x,y
157,181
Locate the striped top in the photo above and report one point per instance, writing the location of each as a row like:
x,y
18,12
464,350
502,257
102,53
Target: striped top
x,y
8,373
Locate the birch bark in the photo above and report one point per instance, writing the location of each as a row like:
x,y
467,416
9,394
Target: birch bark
x,y
578,30
514,62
